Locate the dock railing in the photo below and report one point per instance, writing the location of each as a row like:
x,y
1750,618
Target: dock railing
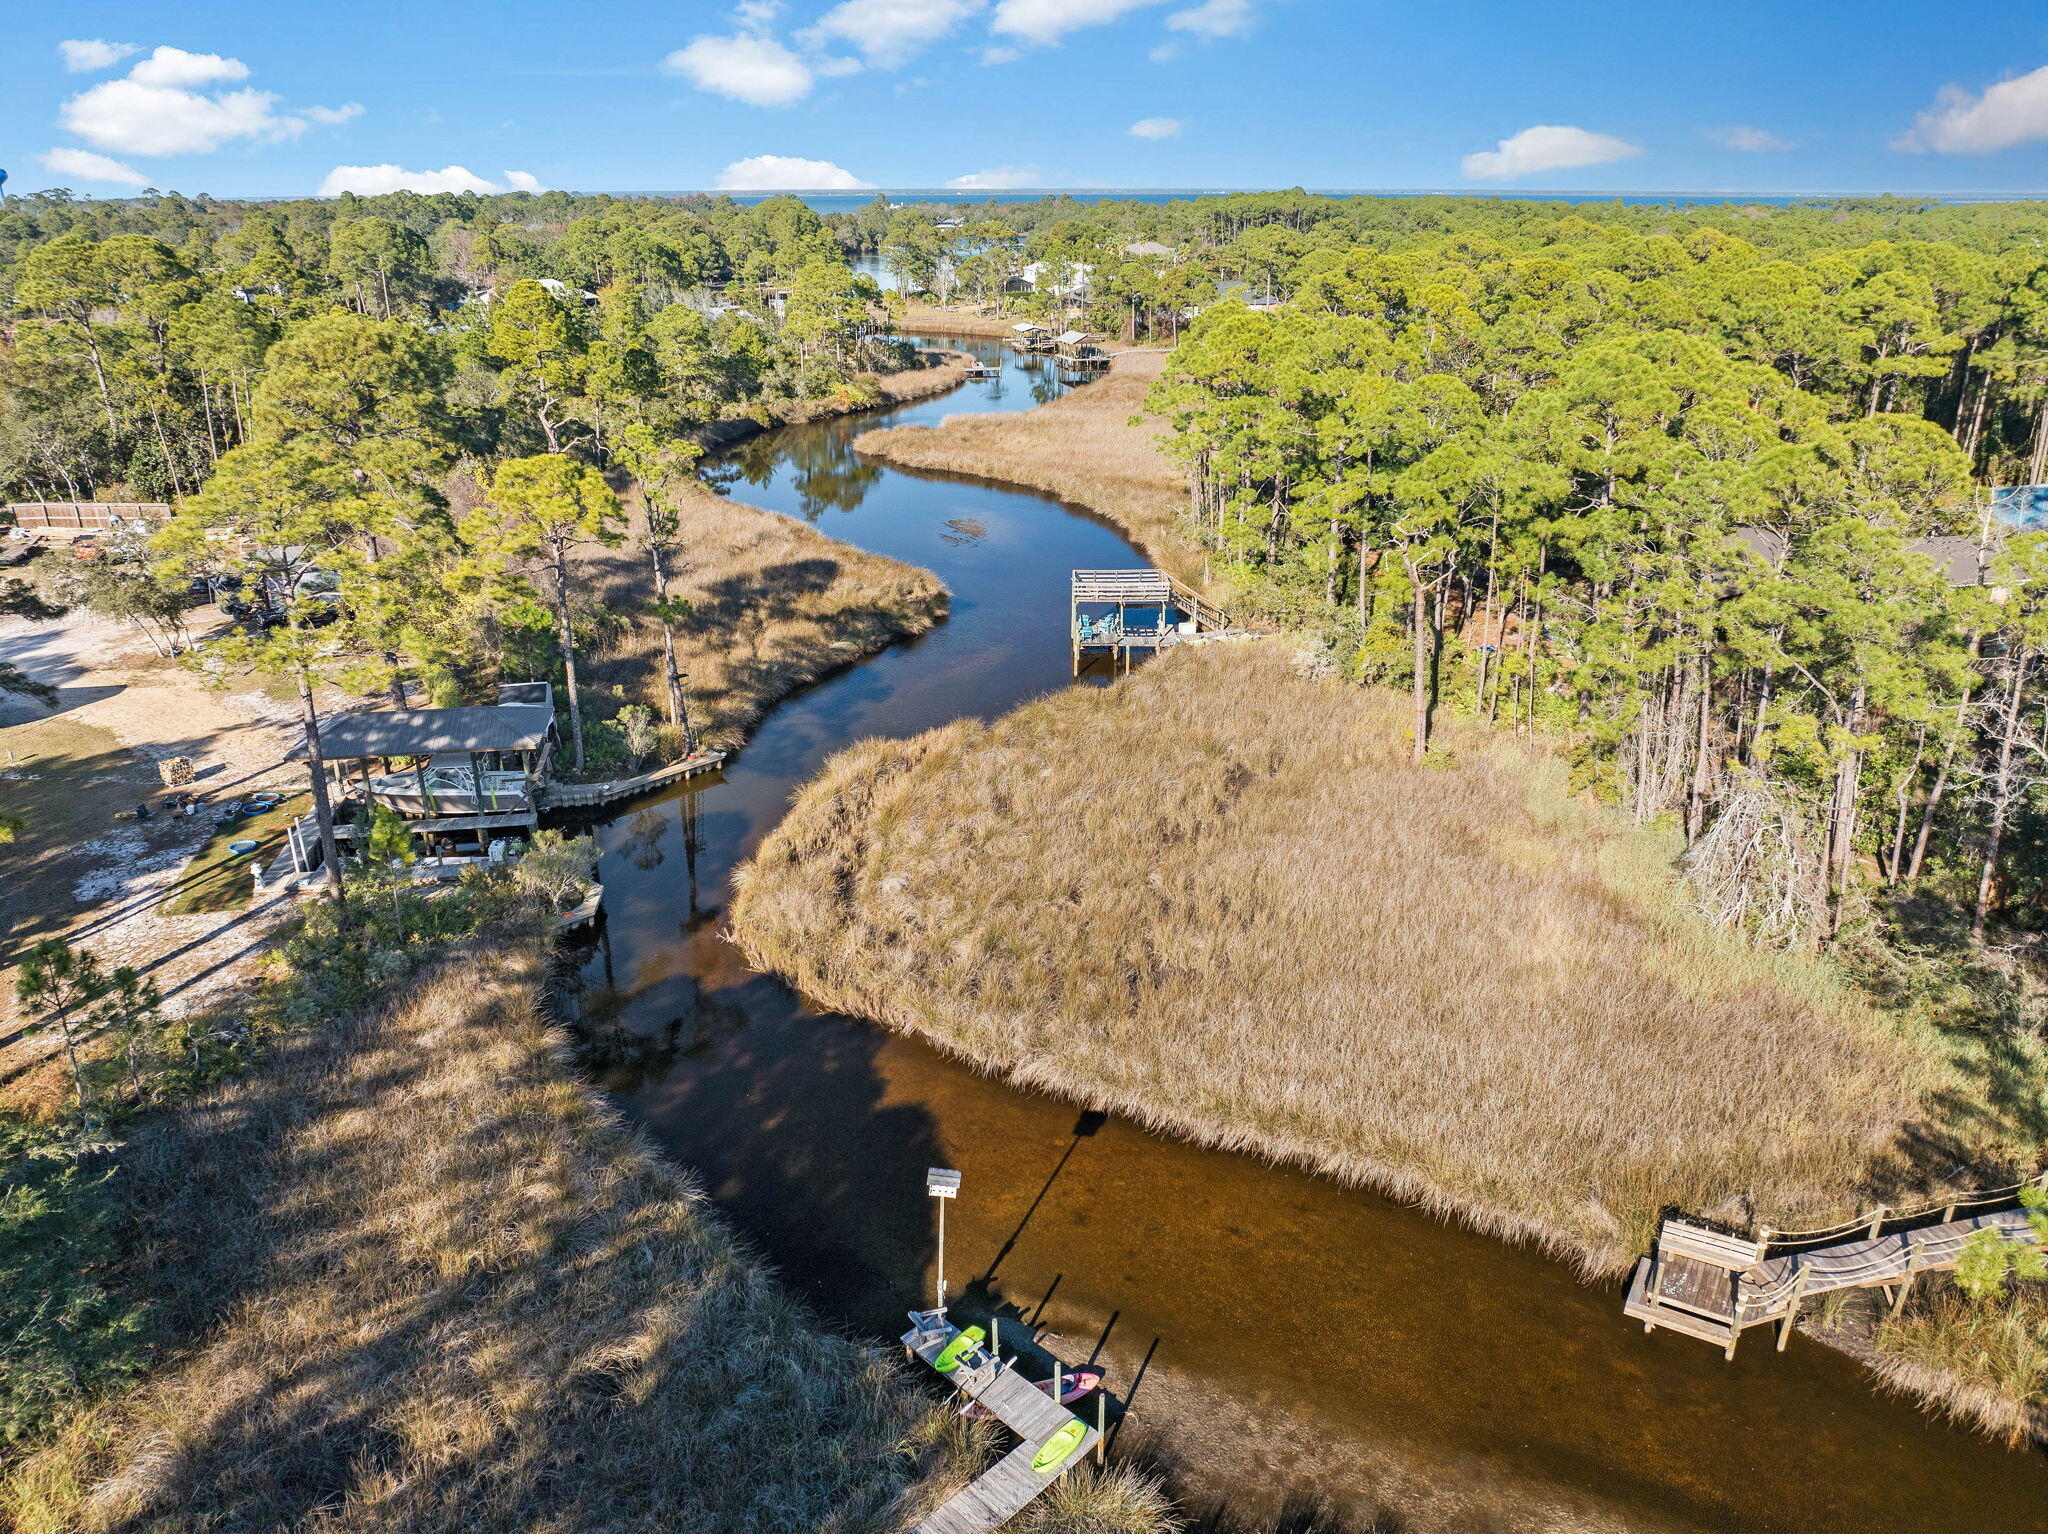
x,y
1714,1286
1873,1223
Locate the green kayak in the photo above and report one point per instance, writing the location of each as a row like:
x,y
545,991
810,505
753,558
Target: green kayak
x,y
1059,1448
949,1357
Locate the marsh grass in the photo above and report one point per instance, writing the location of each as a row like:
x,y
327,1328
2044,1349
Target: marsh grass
x,y
1981,1362
1217,897
775,605
431,1282
934,320
1082,448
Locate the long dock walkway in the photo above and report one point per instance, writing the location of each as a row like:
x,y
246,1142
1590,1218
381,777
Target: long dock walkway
x,y
1714,1286
1008,1486
578,796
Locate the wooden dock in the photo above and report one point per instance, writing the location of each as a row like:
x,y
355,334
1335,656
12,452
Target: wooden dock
x,y
1714,1286
1116,612
1008,1486
577,796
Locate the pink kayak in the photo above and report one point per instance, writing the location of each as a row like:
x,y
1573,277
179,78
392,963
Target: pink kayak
x,y
1074,1384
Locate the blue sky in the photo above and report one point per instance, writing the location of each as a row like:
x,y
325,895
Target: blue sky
x,y
280,98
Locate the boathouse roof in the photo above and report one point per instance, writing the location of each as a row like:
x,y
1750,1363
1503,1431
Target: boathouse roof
x,y
1964,560
428,731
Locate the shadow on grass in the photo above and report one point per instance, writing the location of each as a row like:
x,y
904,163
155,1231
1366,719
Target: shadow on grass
x,y
434,1277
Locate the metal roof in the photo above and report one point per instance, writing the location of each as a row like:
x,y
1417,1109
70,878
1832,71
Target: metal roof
x,y
1121,586
425,731
542,693
1963,559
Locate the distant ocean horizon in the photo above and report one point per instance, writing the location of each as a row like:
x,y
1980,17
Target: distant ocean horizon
x,y
845,202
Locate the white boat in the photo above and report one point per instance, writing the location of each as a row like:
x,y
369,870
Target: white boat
x,y
445,787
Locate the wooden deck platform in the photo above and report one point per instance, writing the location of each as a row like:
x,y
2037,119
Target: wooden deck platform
x,y
1116,612
1714,1287
1003,1490
577,796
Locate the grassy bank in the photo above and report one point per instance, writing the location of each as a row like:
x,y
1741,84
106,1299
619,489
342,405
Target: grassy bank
x,y
220,879
1083,448
774,605
931,319
430,1281
1260,927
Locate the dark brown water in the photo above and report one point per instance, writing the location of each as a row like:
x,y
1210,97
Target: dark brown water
x,y
1286,1346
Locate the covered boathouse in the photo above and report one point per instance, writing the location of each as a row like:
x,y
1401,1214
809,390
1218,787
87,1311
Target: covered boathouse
x,y
462,777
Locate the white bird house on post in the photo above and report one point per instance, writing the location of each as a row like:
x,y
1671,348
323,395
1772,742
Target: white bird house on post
x,y
942,1183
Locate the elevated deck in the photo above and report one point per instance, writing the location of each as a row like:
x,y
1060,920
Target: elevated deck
x,y
1714,1286
1008,1486
1116,612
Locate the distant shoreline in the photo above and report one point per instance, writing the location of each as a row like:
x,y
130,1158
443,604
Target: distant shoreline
x,y
829,199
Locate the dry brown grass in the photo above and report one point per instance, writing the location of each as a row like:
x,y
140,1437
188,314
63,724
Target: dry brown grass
x,y
1983,1363
930,319
776,605
1081,448
1217,898
437,1285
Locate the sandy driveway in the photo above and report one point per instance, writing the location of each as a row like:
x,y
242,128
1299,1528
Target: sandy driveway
x,y
100,886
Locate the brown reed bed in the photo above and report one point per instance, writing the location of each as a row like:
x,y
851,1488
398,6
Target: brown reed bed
x,y
774,605
1083,448
1217,898
432,1282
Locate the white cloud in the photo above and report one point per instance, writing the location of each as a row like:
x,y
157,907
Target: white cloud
x,y
333,117
82,55
1166,53
174,66
787,173
158,109
87,166
1544,148
1001,55
2008,113
1000,178
1214,18
756,70
1047,21
134,118
1750,140
1156,127
375,180
890,32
